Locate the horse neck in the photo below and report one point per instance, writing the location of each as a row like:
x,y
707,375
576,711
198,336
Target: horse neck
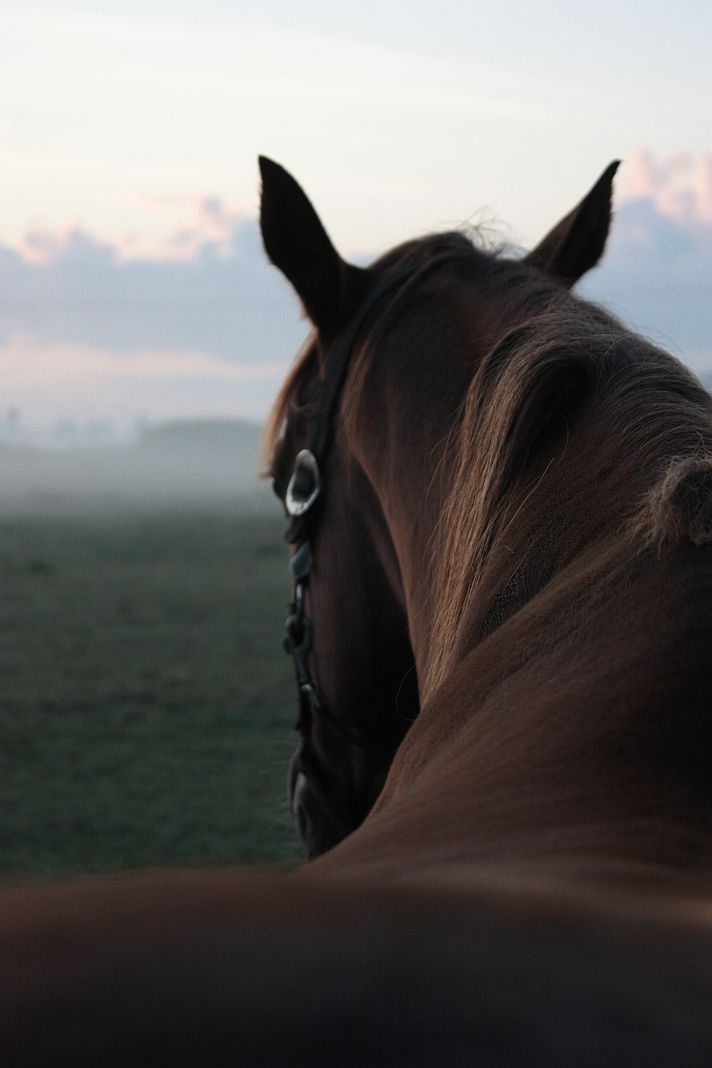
x,y
561,678
402,417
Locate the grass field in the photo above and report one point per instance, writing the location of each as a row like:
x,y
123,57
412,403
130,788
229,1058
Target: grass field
x,y
145,705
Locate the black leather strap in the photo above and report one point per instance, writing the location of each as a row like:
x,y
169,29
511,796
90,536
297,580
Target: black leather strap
x,y
298,628
332,385
339,358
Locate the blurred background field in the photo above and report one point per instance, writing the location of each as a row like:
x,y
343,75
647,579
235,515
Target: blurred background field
x,y
145,705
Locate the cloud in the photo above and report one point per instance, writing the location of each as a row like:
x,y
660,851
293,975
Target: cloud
x,y
43,247
658,264
209,222
679,184
209,290
204,325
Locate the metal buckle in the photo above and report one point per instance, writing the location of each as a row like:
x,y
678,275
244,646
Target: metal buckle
x,y
303,488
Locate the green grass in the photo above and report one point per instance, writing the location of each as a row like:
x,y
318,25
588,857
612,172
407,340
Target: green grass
x,y
145,704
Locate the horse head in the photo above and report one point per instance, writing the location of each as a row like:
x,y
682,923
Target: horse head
x,y
360,458
358,693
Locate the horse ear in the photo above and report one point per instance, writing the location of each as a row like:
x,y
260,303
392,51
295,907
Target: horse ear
x,y
295,241
576,243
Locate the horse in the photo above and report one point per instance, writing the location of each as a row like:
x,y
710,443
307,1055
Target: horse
x,y
499,507
510,579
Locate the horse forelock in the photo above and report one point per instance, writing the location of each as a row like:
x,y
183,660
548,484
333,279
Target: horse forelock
x,y
465,246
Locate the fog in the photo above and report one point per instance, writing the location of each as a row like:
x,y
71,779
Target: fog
x,y
200,463
179,465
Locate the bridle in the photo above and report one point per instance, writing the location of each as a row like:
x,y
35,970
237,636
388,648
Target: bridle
x,y
302,494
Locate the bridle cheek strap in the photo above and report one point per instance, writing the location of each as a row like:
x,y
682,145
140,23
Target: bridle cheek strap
x,y
302,494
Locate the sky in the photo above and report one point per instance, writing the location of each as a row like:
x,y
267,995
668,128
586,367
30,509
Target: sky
x,y
132,281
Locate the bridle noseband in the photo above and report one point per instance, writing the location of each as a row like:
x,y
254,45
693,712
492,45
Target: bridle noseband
x,y
303,492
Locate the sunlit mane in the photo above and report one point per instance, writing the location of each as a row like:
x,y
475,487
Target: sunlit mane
x,y
561,353
651,409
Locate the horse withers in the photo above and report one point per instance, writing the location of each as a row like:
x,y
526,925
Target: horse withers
x,y
500,516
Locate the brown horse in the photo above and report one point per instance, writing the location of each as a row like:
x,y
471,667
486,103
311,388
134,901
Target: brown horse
x,y
514,532
500,510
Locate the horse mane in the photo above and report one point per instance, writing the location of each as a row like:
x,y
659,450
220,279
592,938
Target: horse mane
x,y
655,418
679,506
301,371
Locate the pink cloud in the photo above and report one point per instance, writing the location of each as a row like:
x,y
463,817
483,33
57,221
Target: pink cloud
x,y
704,187
639,178
211,222
679,184
198,221
191,225
41,247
